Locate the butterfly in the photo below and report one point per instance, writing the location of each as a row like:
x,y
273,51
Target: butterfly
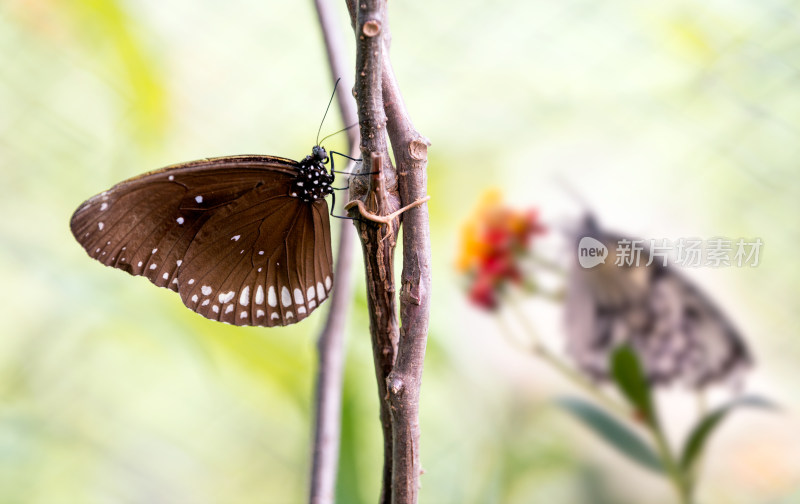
x,y
244,240
677,331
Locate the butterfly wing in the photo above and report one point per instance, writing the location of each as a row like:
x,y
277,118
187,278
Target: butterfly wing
x,y
271,266
148,224
675,328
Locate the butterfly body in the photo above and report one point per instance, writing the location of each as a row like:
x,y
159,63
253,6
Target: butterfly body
x,y
243,239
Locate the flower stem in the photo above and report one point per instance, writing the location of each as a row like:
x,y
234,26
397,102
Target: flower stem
x,y
677,476
543,352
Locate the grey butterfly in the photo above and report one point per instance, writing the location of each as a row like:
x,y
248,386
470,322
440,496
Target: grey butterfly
x,y
677,331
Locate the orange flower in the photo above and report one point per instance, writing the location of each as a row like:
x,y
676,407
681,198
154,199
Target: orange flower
x,y
493,241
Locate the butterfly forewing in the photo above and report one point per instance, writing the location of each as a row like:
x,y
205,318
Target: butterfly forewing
x,y
216,229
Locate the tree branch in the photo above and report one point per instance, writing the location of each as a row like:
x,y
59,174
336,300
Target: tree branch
x,y
379,194
410,149
330,345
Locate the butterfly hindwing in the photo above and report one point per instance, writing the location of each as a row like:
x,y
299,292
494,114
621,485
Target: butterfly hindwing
x,y
261,270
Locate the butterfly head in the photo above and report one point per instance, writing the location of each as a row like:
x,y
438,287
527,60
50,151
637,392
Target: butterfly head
x,y
319,154
313,181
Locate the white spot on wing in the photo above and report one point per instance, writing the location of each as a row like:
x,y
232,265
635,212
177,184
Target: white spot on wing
x,y
260,295
298,296
320,291
204,303
171,177
286,298
259,313
289,315
225,297
312,304
140,264
103,207
244,299
243,314
215,309
191,281
178,262
179,220
274,315
166,276
310,294
327,282
154,251
236,237
206,290
198,199
100,226
194,298
260,252
301,310
153,266
272,299
229,308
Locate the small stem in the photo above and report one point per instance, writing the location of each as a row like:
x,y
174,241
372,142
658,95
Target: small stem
x,y
565,369
548,265
382,219
702,411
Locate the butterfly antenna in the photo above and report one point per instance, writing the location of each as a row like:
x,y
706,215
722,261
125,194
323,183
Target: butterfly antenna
x,y
570,190
337,132
327,109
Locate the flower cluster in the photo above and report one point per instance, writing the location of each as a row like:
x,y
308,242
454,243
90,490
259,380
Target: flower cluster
x,y
494,240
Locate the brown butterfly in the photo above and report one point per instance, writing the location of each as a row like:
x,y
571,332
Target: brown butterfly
x,y
243,239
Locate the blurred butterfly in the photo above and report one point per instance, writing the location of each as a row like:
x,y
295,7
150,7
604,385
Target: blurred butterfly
x,y
679,334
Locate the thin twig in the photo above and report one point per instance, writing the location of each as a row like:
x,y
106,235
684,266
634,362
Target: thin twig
x,y
330,345
383,219
410,150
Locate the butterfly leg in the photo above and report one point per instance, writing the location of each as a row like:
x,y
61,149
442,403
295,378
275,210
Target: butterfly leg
x,y
351,159
333,205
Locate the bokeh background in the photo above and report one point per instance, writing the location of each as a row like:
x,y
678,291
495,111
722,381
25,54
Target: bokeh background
x,y
670,118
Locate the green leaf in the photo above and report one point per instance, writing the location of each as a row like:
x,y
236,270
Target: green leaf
x,y
613,432
629,376
707,425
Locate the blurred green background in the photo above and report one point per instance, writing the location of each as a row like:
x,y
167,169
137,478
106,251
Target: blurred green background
x,y
671,118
